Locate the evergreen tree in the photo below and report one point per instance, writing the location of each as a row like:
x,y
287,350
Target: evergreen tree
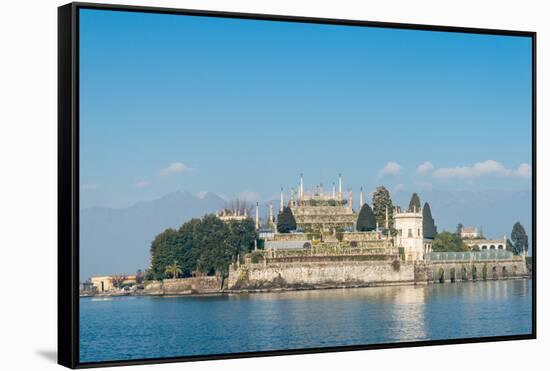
x,y
446,241
215,252
428,225
286,221
241,236
380,201
207,245
459,228
366,221
510,247
165,249
519,238
414,204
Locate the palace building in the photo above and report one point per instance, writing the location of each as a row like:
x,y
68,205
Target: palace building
x,y
227,215
326,226
325,249
319,212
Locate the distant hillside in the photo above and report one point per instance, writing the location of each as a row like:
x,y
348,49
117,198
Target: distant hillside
x,y
495,211
118,240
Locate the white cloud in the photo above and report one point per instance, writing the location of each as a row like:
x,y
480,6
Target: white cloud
x,y
391,169
201,194
485,168
90,187
248,196
524,171
425,168
141,183
174,168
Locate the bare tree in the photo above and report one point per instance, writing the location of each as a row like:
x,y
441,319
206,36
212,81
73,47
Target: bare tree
x,y
140,276
118,279
238,205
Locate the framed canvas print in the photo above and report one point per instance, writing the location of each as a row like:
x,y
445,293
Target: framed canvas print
x,y
237,185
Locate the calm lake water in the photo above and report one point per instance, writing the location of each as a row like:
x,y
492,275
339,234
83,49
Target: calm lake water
x,y
149,327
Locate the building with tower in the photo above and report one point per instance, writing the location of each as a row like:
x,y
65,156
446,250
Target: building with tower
x,y
314,242
410,234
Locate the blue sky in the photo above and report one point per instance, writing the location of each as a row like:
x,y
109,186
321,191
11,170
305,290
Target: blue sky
x,y
243,107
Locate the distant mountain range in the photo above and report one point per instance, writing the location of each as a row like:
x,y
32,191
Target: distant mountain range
x,y
494,211
118,240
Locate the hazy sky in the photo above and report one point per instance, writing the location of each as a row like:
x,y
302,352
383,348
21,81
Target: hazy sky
x,y
243,107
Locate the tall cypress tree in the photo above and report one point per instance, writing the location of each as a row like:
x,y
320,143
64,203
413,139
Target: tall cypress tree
x,y
366,221
428,225
286,221
519,238
380,200
414,204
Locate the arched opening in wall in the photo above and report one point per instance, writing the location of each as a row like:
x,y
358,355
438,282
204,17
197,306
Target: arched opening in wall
x,y
483,247
441,275
514,270
495,272
464,274
504,272
484,272
500,247
452,274
492,247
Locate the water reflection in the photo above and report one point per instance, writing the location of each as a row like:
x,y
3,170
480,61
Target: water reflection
x,y
163,327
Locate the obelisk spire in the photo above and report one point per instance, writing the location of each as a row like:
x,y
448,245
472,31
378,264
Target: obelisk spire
x,y
257,216
282,200
270,224
340,185
301,194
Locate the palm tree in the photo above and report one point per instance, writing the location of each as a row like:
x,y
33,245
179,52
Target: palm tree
x,y
173,269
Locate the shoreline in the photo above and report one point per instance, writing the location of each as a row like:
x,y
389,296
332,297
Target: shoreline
x,y
228,292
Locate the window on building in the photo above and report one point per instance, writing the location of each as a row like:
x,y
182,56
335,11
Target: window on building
x,y
410,232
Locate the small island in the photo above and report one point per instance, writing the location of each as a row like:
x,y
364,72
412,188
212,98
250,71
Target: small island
x,y
317,241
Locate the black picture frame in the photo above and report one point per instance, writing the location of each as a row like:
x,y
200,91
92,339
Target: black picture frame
x,y
68,181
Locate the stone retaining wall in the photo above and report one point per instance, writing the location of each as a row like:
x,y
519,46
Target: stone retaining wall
x,y
346,271
361,236
454,271
181,286
319,274
355,271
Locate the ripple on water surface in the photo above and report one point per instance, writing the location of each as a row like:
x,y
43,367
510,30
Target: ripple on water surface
x,y
124,328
